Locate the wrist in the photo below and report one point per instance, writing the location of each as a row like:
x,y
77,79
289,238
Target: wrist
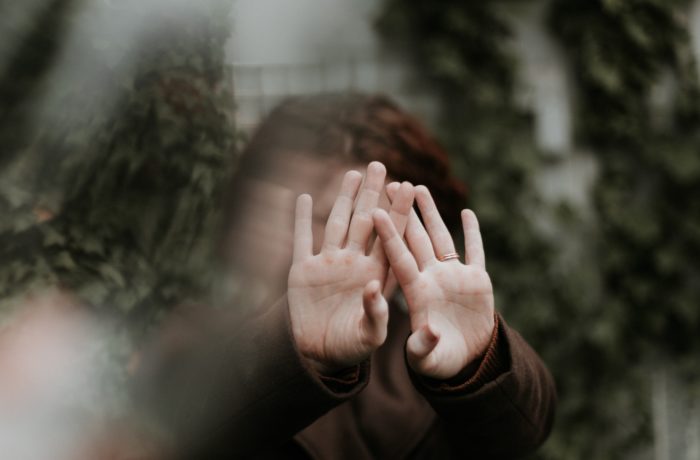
x,y
483,340
452,354
481,371
481,347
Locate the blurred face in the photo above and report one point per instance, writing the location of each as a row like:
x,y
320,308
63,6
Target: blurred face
x,y
260,241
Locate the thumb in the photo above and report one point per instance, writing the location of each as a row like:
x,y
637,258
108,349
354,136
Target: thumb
x,y
376,317
419,347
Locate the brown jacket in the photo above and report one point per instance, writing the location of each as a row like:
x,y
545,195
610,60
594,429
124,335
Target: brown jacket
x,y
243,391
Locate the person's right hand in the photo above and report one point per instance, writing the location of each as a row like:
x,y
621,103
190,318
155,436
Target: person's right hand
x,y
338,314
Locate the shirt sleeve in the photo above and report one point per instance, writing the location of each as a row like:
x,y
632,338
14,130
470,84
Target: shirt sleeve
x,y
241,386
503,409
487,368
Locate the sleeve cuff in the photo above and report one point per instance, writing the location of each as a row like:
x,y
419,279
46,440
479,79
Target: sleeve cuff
x,y
478,373
346,379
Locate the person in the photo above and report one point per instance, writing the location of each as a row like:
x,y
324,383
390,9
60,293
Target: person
x,y
386,347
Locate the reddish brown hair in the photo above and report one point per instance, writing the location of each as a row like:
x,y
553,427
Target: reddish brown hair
x,y
360,128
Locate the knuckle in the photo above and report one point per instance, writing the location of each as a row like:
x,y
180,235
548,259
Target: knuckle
x,y
336,222
362,219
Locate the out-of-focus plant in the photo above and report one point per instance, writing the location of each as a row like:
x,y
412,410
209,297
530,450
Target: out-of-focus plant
x,y
649,175
630,294
649,215
649,154
117,134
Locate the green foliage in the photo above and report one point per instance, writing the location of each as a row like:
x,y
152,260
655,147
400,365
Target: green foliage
x,y
120,141
649,174
626,294
649,171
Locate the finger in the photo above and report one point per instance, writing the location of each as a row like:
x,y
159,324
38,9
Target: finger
x,y
361,223
402,262
474,247
378,249
339,218
417,238
419,347
419,242
391,189
401,206
303,236
376,318
439,235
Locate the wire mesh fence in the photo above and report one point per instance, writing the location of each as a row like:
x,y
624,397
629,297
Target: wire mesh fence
x,y
260,86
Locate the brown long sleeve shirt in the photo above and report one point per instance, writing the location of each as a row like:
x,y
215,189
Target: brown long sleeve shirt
x,y
241,390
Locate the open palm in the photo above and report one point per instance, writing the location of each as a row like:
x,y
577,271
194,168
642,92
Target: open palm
x,y
338,313
450,303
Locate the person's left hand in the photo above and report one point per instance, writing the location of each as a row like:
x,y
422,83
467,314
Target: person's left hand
x,y
451,304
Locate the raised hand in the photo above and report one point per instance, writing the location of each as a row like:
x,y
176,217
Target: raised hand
x,y
450,302
339,316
